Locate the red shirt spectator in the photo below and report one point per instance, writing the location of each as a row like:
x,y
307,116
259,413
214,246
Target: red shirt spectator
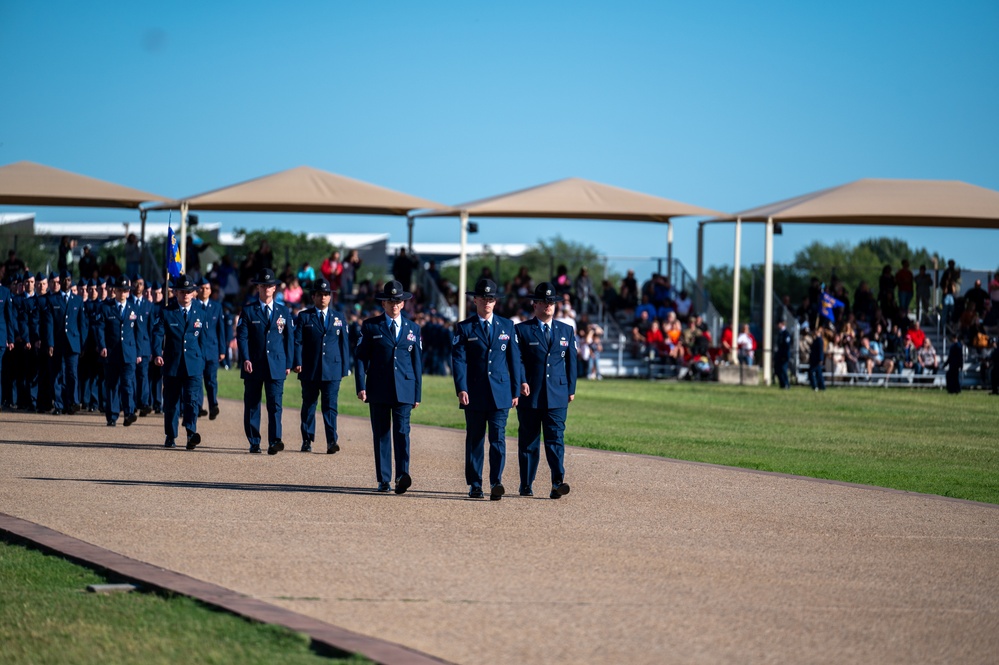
x,y
916,335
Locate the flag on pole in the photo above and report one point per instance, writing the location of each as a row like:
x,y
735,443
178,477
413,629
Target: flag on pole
x,y
173,254
828,305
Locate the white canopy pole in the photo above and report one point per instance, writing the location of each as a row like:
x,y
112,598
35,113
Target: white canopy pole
x,y
183,237
462,265
768,302
735,289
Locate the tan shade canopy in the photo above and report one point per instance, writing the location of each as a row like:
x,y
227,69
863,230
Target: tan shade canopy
x,y
305,189
889,202
30,184
575,198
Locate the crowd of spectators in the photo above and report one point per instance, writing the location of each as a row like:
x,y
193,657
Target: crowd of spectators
x,y
883,332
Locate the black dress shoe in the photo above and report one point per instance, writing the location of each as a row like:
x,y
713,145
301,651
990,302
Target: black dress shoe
x,y
213,412
255,449
275,447
57,412
157,410
383,487
193,439
306,447
111,423
144,411
129,419
475,493
403,483
170,443
332,448
526,491
202,413
91,409
496,492
560,490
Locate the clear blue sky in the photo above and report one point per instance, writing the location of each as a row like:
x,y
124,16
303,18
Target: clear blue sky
x,y
727,105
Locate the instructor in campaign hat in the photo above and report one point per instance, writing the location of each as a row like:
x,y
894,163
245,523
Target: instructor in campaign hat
x,y
485,365
388,375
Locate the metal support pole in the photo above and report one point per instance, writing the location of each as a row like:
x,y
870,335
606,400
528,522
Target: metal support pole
x,y
768,302
142,243
669,251
410,222
462,265
183,237
735,287
700,268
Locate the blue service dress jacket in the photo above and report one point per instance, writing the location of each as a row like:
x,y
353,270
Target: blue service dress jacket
x,y
548,368
143,325
66,323
215,329
181,344
118,333
487,369
322,351
389,370
268,343
9,326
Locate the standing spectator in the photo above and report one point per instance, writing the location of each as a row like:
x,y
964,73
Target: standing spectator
x,y
562,280
332,270
746,345
978,295
950,280
403,267
133,256
886,290
816,360
293,293
306,274
65,259
263,259
954,364
13,265
783,354
351,270
88,264
584,289
924,286
904,282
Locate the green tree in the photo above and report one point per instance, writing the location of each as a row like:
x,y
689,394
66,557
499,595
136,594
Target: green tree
x,y
287,246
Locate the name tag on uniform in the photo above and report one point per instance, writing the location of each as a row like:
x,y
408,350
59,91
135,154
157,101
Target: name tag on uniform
x,y
533,343
473,339
258,323
377,336
175,325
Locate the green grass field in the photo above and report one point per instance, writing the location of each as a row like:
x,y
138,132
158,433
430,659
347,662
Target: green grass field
x,y
916,440
47,616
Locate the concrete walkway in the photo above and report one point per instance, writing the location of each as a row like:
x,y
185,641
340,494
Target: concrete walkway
x,y
646,561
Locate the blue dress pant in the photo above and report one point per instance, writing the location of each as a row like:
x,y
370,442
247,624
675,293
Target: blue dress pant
x,y
780,368
142,393
534,422
7,374
155,386
211,377
815,378
476,423
312,391
46,379
390,428
181,393
253,388
27,380
66,379
120,380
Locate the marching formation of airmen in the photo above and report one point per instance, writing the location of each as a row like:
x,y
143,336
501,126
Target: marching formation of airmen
x,y
111,346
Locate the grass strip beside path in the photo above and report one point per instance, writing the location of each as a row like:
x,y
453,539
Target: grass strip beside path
x,y
47,616
915,440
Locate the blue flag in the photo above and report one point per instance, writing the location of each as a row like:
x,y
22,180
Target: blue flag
x,y
173,254
828,305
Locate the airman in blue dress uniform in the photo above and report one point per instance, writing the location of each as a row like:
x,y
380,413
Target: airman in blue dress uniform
x,y
548,384
66,332
155,372
179,349
266,341
485,364
117,344
322,360
8,323
388,375
144,341
215,331
27,378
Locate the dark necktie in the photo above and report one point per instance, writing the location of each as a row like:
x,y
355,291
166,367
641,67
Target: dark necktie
x,y
185,316
485,332
267,312
395,331
548,333
121,311
322,320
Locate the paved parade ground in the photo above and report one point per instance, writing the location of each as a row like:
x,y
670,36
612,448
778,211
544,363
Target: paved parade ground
x,y
646,561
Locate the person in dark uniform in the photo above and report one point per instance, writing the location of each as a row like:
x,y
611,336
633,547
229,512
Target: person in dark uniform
x,y
485,364
548,385
783,354
215,331
8,324
27,377
92,366
117,344
179,349
954,364
266,341
322,360
388,375
144,345
994,370
155,372
67,332
816,361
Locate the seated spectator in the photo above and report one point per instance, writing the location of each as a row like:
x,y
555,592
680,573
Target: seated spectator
x,y
978,296
684,306
836,354
927,361
647,307
306,273
916,335
655,341
609,296
293,293
629,289
673,332
872,357
692,335
746,344
563,283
